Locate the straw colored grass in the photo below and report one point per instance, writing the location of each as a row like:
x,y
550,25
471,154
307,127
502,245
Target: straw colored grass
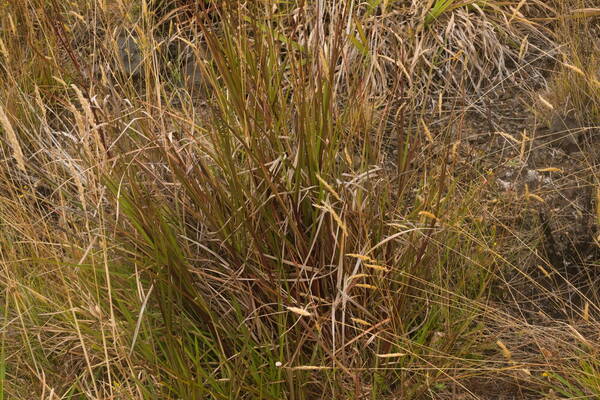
x,y
258,200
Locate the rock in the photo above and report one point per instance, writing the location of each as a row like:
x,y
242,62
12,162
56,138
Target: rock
x,y
186,59
504,185
130,54
532,176
177,53
564,133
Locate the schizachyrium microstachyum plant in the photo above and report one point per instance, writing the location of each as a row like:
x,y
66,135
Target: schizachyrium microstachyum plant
x,y
279,226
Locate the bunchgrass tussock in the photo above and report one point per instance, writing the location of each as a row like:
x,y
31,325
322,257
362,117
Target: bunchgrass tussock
x,y
193,190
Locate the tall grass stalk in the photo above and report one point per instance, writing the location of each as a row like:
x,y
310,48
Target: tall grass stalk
x,y
260,208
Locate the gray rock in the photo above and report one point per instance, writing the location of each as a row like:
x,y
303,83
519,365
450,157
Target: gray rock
x,y
187,61
532,176
130,54
564,133
176,54
191,72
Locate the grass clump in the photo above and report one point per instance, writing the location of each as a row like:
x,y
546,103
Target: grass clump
x,y
243,206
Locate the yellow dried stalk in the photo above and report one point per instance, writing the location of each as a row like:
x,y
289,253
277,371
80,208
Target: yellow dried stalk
x,y
12,140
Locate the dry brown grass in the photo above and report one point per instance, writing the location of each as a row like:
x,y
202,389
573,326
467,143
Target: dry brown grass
x,y
307,220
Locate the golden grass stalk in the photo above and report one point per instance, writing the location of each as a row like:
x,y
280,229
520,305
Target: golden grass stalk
x,y
300,311
12,140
